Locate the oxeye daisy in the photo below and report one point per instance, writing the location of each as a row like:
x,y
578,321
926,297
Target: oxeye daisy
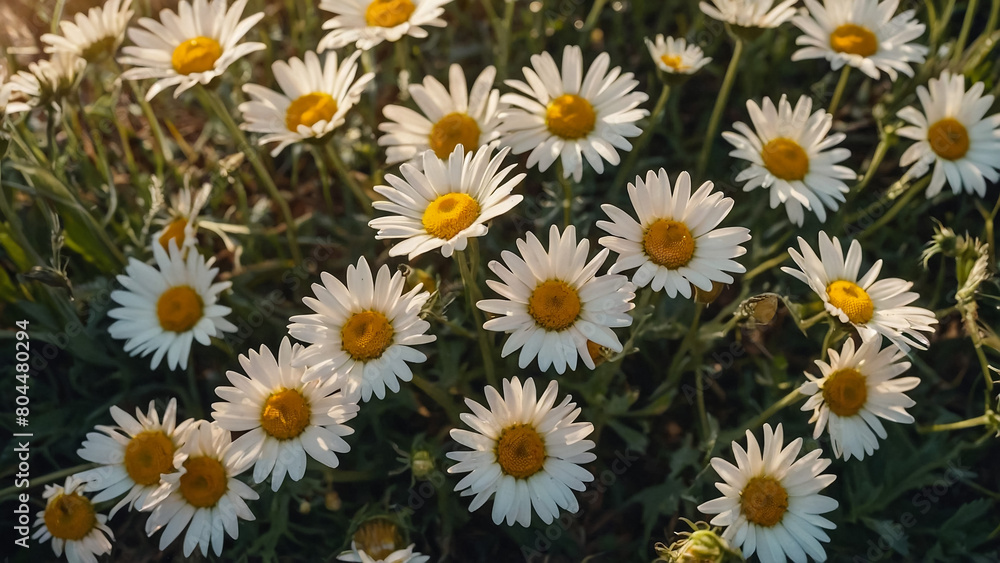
x,y
771,503
366,23
362,334
855,390
792,152
450,118
164,309
188,47
283,417
181,224
378,541
675,56
133,455
566,114
675,244
48,81
554,303
72,523
954,135
526,453
315,100
8,107
863,34
203,495
95,35
447,203
750,13
872,307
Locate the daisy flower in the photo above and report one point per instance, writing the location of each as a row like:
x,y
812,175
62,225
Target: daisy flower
x,y
133,454
47,81
450,117
526,453
872,307
954,135
70,520
565,114
315,100
181,224
95,35
378,541
675,56
188,47
675,244
203,492
792,153
553,302
362,335
750,13
855,390
860,33
7,107
447,203
164,309
366,23
771,503
283,417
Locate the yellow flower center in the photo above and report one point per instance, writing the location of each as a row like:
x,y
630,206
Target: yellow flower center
x,y
205,481
785,159
378,538
948,138
309,110
764,501
388,13
450,214
571,117
852,300
668,243
554,305
845,391
673,61
70,517
174,231
452,130
366,335
148,455
286,414
196,55
854,40
179,308
520,451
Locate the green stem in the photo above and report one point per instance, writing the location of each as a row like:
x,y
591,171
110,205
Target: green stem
x,y
675,371
50,135
625,170
839,91
160,154
595,13
914,189
970,423
345,176
472,295
567,193
699,381
880,151
765,266
57,16
439,397
45,479
963,35
324,178
783,402
192,381
503,40
720,106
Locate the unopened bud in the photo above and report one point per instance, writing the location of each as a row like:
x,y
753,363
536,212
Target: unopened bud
x,y
332,501
708,297
422,464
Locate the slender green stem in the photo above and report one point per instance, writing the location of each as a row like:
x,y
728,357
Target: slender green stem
x,y
324,178
467,270
57,16
970,423
880,151
831,334
839,91
699,381
991,21
914,189
439,397
765,266
211,99
720,106
626,169
675,371
963,35
192,381
503,41
50,135
45,479
567,193
763,417
345,176
595,13
401,52
160,154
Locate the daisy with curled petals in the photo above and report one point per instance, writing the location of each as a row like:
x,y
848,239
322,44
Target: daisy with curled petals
x,y
855,390
447,203
188,47
47,81
378,541
554,303
315,100
750,13
872,307
675,56
283,417
181,225
164,309
771,503
792,153
70,520
566,114
362,334
526,453
862,34
366,23
8,107
675,244
202,495
132,455
95,35
450,118
954,135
